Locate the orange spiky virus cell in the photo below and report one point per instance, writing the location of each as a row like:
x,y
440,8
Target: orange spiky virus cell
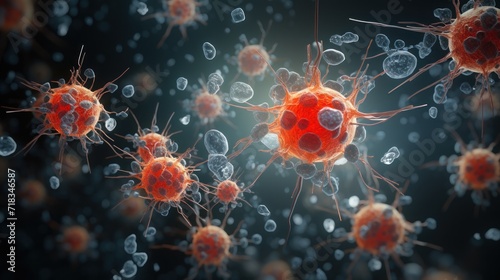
x,y
381,231
76,239
227,191
314,122
471,38
378,227
150,142
72,110
164,180
182,13
210,245
477,169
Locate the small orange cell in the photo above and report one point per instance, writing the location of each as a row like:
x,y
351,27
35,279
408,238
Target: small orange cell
x,y
210,245
71,164
277,269
479,168
150,143
165,179
68,117
33,193
75,239
378,226
476,169
485,106
16,15
227,191
182,13
133,208
154,144
252,60
381,230
208,106
145,83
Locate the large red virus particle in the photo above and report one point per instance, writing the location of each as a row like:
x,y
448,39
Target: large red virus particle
x,y
472,39
150,142
314,122
477,170
71,110
182,13
207,103
380,230
252,58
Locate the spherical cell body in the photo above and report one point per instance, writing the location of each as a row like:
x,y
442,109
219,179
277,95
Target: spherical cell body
x,y
155,144
208,106
478,168
76,239
165,179
210,245
17,15
133,208
378,228
252,60
474,40
301,126
75,110
182,11
227,191
33,193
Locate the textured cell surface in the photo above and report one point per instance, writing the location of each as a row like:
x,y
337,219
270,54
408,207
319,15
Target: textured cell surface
x,y
227,191
165,179
478,168
474,39
252,60
268,179
210,245
378,227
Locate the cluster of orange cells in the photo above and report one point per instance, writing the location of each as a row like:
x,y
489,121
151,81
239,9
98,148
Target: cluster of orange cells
x,y
314,122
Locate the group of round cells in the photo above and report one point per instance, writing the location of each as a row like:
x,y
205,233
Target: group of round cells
x,y
163,175
314,124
